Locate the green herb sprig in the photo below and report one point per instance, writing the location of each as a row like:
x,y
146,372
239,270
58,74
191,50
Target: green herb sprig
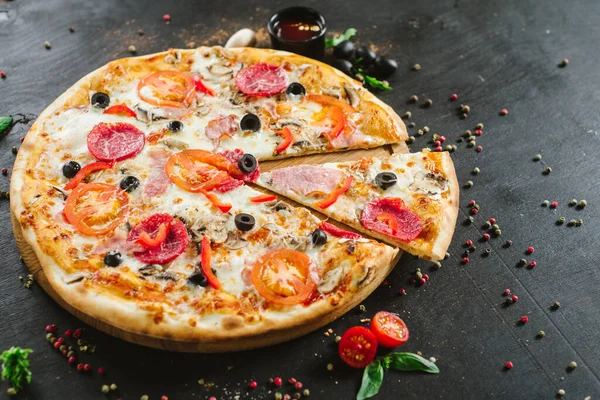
x,y
15,367
373,374
5,124
349,34
369,80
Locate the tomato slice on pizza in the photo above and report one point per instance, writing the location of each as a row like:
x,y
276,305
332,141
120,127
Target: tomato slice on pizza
x,y
168,89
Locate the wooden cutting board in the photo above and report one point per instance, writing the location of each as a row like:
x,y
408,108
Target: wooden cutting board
x,y
34,266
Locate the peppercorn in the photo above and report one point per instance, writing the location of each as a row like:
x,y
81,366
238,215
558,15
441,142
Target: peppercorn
x,y
547,171
407,115
508,365
253,385
541,334
144,397
71,29
506,292
561,220
487,225
479,149
4,171
579,222
411,124
166,18
105,389
428,103
465,260
472,143
537,157
465,108
572,365
546,203
113,386
498,232
296,396
530,250
449,147
416,67
508,243
132,49
514,298
426,130
522,261
467,133
532,264
469,221
495,226
561,392
47,45
11,391
564,63
582,204
420,132
469,184
413,99
278,396
524,319
14,149
556,305
503,112
306,393
3,74
476,206
572,222
488,251
411,139
476,171
435,136
486,236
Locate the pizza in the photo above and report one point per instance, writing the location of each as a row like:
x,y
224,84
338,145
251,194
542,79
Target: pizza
x,y
407,200
137,191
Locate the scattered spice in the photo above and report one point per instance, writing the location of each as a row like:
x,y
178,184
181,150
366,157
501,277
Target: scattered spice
x,y
426,129
572,222
15,150
486,236
407,115
508,243
582,204
132,49
554,204
524,319
253,385
503,112
530,250
417,67
572,365
479,126
330,367
532,264
514,298
476,171
47,45
506,292
469,184
411,124
579,222
465,260
428,103
556,305
545,203
2,74
166,18
488,251
413,99
564,63
561,392
105,389
454,96
508,365
479,149
547,171
71,29
561,220
537,157
465,108
541,334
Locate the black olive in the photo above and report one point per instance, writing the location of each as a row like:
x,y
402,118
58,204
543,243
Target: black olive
x,y
70,169
366,55
343,65
244,222
296,89
250,122
113,258
100,100
247,163
344,50
129,183
174,126
386,179
198,279
384,67
318,237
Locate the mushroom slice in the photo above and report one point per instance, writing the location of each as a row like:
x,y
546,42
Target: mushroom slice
x,y
175,144
428,183
234,242
352,95
76,277
330,280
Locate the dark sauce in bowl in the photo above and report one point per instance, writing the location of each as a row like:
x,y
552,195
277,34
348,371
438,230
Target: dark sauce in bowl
x,y
300,30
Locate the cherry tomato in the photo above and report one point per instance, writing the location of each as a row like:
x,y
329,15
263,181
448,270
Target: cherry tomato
x,y
283,276
96,209
389,329
358,347
196,170
168,89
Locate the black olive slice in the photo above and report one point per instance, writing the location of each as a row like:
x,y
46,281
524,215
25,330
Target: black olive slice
x,y
175,126
247,163
198,279
100,100
250,122
70,169
129,184
244,222
318,237
113,258
296,89
386,179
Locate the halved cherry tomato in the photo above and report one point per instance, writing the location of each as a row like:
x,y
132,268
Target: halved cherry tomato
x,y
195,170
85,171
283,276
120,109
148,241
335,194
389,219
168,89
224,207
287,137
96,209
358,347
205,262
263,198
337,232
389,329
201,87
330,101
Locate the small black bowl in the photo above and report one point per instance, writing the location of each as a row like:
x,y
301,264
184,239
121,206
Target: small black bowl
x,y
313,47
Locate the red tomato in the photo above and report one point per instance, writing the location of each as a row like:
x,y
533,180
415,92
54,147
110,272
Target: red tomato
x,y
96,209
358,347
168,89
389,329
283,276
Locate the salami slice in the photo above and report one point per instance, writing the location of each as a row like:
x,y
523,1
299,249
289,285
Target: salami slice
x,y
261,79
115,142
409,224
306,179
175,243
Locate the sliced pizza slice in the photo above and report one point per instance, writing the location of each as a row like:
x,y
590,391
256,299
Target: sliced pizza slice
x,y
407,200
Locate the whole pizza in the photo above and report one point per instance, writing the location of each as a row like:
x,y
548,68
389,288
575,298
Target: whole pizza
x,y
139,190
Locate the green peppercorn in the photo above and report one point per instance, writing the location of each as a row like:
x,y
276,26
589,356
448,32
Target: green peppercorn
x,y
537,157
573,203
465,109
561,220
419,275
417,67
476,171
113,386
464,116
70,354
11,391
487,225
547,171
407,115
469,221
62,347
330,367
144,397
498,232
522,261
306,393
434,137
338,339
579,222
278,396
428,103
479,126
449,147
411,139
546,203
582,203
426,129
420,132
411,124
105,389
572,222
437,264
541,333
296,396
495,227
472,143
460,140
476,206
469,184
467,133
53,340
454,147
49,336
15,149
413,99
572,365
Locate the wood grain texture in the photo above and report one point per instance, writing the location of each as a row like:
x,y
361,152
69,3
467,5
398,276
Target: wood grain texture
x,y
278,336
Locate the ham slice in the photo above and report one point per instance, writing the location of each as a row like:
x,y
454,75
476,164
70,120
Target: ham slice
x,y
158,181
221,126
306,179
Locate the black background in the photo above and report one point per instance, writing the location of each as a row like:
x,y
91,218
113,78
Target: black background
x,y
494,55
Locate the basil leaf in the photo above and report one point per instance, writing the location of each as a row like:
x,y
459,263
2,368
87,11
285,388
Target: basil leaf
x,y
411,362
376,83
371,380
350,32
5,124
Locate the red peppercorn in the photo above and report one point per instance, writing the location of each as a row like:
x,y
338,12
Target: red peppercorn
x,y
166,17
4,171
508,365
503,112
56,344
65,352
68,332
298,385
478,132
486,236
514,298
101,371
554,204
23,138
442,139
2,74
507,292
421,282
524,319
437,143
71,360
474,211
60,340
292,381
530,250
79,367
77,333
87,367
253,385
51,328
465,260
402,292
454,96
287,397
532,264
277,381
163,397
492,220
479,149
439,148
426,277
469,243
212,398
472,203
